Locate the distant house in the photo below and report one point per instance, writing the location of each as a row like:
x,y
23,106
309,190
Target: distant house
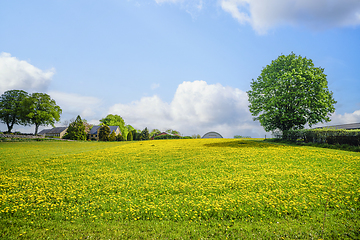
x,y
43,132
94,132
350,126
54,132
212,135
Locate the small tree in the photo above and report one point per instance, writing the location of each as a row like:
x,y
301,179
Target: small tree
x,y
104,133
76,130
130,136
12,109
136,135
145,134
112,136
120,138
289,93
195,136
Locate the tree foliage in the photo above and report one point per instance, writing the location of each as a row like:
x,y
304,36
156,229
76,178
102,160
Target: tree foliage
x,y
120,137
145,134
12,109
154,132
130,136
289,93
112,136
104,133
171,131
41,110
76,130
115,120
196,136
136,135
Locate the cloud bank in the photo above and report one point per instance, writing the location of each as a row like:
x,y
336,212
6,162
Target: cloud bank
x,y
196,108
74,104
18,74
263,15
346,118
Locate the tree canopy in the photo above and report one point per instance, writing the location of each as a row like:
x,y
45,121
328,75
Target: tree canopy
x,y
116,120
76,130
290,93
154,132
41,110
12,109
145,134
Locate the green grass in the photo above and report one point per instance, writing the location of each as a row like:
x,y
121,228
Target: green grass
x,y
177,189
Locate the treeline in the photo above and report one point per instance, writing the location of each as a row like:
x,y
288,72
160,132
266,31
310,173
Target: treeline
x,y
79,129
18,107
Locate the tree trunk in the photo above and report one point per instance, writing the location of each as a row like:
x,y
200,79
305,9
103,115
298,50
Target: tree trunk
x,y
36,129
9,126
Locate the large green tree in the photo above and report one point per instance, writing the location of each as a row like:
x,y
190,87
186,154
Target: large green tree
x,y
41,110
12,109
290,93
76,130
116,120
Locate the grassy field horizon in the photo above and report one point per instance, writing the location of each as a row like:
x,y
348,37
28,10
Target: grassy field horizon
x,y
177,189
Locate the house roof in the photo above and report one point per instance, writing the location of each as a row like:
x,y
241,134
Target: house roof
x,y
57,130
44,131
345,126
94,129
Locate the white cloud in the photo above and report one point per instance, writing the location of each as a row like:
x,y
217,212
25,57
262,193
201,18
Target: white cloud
x,y
263,15
196,108
18,74
346,118
74,104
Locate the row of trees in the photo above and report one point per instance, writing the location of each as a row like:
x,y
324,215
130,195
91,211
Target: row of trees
x,y
105,135
289,94
18,107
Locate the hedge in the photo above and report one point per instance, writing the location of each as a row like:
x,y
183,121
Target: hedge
x,y
167,136
324,135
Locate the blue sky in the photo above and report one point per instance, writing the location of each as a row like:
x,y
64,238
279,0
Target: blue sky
x,y
177,64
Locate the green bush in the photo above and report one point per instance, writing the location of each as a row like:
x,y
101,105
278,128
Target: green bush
x,y
324,135
130,136
167,136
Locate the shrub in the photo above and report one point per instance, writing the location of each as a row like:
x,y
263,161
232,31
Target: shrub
x,y
112,136
104,133
130,136
167,136
120,137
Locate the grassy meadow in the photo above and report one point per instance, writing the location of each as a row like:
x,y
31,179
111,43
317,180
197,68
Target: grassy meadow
x,y
177,189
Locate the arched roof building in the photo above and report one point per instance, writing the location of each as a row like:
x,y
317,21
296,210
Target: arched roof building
x,y
212,135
